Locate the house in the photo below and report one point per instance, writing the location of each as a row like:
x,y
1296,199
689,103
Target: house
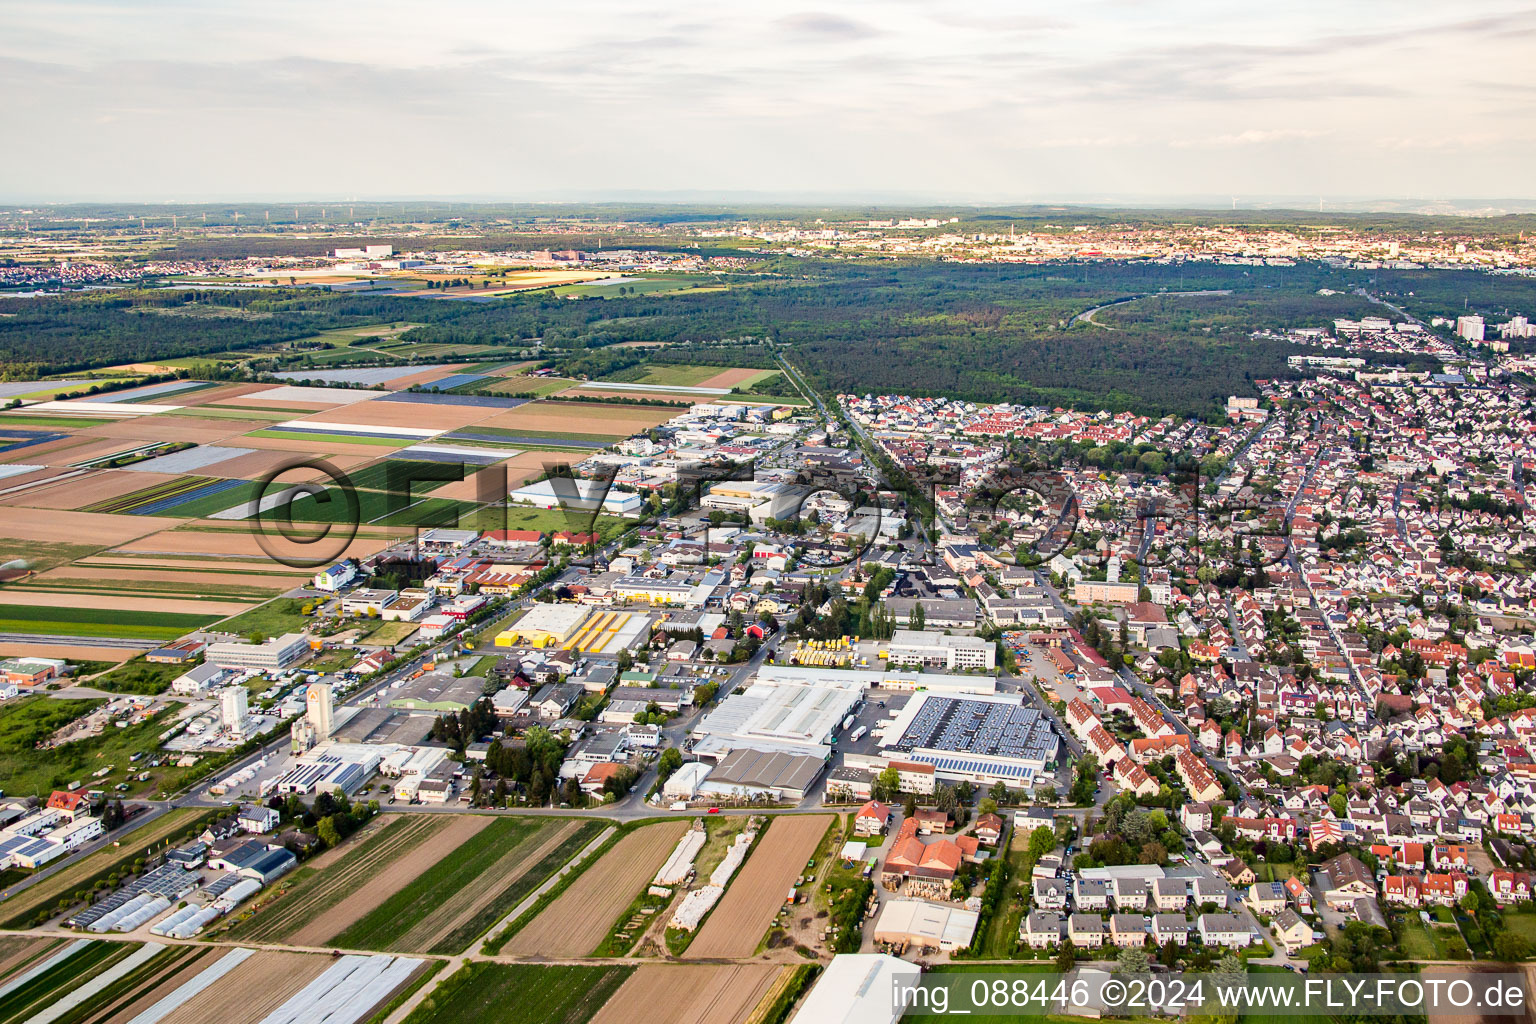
x,y
1127,930
1041,928
1166,927
1050,893
929,822
1131,893
1267,898
1086,930
1348,880
1228,930
555,700
988,829
872,819
1292,931
1090,895
1207,891
254,818
1170,893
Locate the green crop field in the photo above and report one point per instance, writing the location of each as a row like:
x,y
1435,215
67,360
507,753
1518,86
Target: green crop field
x,y
23,419
520,994
271,619
20,618
294,435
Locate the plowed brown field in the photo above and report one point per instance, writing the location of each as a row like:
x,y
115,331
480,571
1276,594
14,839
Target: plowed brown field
x,y
689,994
580,917
743,915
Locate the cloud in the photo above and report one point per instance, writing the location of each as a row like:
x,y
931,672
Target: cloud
x,y
1250,137
829,27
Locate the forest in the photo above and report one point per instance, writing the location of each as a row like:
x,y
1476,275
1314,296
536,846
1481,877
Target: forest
x,y
984,332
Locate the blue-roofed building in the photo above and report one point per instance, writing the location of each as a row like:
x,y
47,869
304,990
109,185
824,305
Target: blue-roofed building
x,y
335,577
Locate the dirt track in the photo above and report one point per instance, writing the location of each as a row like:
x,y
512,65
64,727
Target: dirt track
x,y
579,918
689,994
743,915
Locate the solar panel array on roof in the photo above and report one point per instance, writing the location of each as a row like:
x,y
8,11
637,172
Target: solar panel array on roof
x,y
978,727
169,880
962,765
26,846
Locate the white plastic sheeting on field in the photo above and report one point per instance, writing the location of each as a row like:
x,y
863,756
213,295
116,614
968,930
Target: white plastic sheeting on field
x,y
347,992
694,906
226,963
111,976
680,862
733,858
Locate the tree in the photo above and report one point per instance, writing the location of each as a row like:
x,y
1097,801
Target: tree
x,y
1337,803
919,618
887,785
328,833
999,793
1066,957
1132,960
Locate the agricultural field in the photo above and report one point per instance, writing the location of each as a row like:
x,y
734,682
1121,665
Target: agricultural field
x,y
737,924
690,994
487,993
580,419
75,979
432,883
103,622
461,895
581,917
171,828
245,986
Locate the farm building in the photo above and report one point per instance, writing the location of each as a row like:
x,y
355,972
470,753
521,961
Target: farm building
x,y
545,625
918,923
857,987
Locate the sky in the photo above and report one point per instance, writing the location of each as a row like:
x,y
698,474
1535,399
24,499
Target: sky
x,y
988,102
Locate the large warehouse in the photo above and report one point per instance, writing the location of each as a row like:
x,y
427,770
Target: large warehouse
x,y
793,713
983,739
545,625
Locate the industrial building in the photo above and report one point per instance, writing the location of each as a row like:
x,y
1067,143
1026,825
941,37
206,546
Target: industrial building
x,y
272,655
857,988
981,739
578,495
933,649
918,923
775,775
545,625
795,714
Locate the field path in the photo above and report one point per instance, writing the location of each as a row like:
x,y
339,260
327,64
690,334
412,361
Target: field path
x,y
580,917
743,915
